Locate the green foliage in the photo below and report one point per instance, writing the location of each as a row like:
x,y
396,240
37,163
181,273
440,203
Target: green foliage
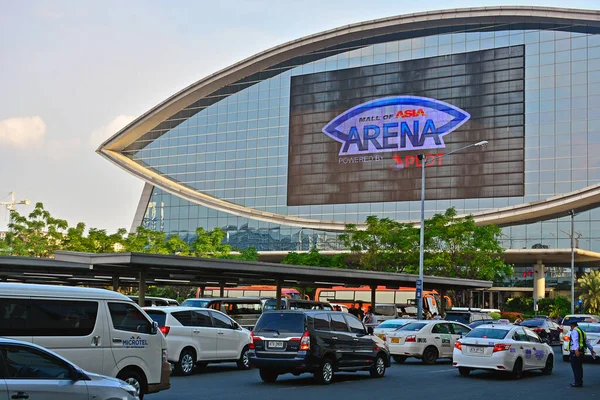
x,y
315,259
386,245
519,304
210,244
546,306
495,315
589,291
454,247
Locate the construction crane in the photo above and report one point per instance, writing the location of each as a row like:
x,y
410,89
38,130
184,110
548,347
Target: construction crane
x,y
10,205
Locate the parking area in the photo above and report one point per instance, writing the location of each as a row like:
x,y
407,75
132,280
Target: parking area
x,y
224,381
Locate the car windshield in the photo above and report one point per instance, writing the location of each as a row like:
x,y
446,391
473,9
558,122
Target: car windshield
x,y
458,317
488,333
392,323
281,323
158,316
195,303
590,328
533,322
413,326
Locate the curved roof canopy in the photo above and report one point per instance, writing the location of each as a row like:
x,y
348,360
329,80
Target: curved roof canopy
x,y
288,55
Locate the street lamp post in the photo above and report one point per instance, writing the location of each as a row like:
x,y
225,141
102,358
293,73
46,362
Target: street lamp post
x,y
572,213
424,162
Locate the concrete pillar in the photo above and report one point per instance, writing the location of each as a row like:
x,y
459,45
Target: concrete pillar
x,y
202,290
303,292
142,288
470,293
278,295
442,305
115,283
222,289
491,301
373,296
539,282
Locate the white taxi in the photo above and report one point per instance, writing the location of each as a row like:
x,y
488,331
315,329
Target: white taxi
x,y
502,348
389,326
427,340
592,333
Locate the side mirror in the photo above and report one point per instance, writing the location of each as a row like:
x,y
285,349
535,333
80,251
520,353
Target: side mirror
x,y
154,329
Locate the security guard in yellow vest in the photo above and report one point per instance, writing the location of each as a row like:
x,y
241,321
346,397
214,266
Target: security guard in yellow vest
x,y
577,345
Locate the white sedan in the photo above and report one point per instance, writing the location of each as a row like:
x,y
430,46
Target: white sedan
x,y
592,332
502,348
427,340
389,326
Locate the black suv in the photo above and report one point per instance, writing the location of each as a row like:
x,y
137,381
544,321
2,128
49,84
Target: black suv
x,y
319,342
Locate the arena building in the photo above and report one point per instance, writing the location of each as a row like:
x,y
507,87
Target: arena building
x,y
281,150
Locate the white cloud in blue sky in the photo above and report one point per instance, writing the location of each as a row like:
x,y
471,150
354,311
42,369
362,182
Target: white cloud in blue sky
x,y
73,73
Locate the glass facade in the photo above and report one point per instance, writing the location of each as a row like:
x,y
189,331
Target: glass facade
x,y
233,145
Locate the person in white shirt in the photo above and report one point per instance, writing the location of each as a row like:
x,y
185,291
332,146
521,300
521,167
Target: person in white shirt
x,y
577,344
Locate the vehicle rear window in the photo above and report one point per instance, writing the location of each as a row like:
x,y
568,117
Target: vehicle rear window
x,y
390,323
194,303
157,316
487,333
590,328
281,322
413,326
532,322
464,318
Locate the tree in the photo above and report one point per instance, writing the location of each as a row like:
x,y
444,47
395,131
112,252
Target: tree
x,y
36,235
145,240
589,289
315,259
385,245
210,244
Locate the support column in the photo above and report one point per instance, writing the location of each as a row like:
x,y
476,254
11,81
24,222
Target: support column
x,y
303,292
115,283
222,289
442,306
373,296
278,295
470,293
202,290
491,302
539,282
142,288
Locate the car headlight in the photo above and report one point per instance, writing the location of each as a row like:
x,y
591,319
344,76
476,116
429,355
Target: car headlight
x,y
129,389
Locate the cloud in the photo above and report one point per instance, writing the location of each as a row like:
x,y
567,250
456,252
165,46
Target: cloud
x,y
101,134
22,132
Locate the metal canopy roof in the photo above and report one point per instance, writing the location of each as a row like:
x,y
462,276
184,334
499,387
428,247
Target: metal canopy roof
x,y
72,268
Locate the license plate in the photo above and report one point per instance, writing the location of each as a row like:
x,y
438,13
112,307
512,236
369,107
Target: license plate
x,y
395,340
476,350
275,345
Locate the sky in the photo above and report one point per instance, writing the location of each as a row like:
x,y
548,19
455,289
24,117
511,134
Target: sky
x,y
72,73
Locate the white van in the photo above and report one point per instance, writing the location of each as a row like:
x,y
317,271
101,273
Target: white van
x,y
98,330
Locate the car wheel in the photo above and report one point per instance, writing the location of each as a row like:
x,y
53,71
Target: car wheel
x,y
378,368
268,375
547,370
134,379
399,359
464,371
244,360
566,358
324,374
430,355
185,365
517,372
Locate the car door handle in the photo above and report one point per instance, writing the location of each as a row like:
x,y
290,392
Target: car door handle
x,y
196,331
117,340
356,340
20,395
220,333
436,337
334,337
534,348
96,341
522,347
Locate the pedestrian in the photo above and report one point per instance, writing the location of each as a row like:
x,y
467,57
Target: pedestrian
x,y
354,310
361,312
370,318
577,344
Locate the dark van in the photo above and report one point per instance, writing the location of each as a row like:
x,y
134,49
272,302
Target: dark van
x,y
317,342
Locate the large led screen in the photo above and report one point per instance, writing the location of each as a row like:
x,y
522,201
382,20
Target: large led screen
x,y
356,134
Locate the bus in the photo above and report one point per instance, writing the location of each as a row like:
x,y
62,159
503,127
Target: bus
x,y
401,297
249,291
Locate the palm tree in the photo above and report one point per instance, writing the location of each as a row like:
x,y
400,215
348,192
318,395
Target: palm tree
x,y
589,289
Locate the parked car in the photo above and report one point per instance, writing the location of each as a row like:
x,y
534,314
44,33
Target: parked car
x,y
425,340
342,307
101,331
565,325
244,310
297,304
546,329
475,324
318,342
199,336
389,326
31,371
509,348
467,317
592,332
150,301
